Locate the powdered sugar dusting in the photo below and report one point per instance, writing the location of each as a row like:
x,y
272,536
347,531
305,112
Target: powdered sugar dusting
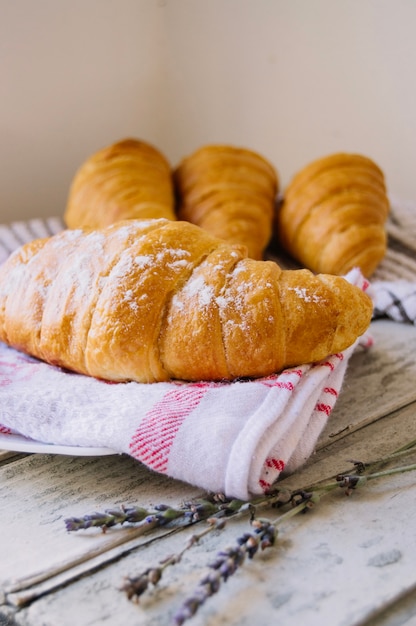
x,y
75,278
209,288
143,260
176,260
236,300
305,295
129,298
197,287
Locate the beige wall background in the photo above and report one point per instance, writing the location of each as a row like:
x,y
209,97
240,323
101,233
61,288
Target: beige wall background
x,y
293,79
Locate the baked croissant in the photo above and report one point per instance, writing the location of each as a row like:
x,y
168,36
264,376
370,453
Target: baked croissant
x,y
153,300
128,180
333,215
230,192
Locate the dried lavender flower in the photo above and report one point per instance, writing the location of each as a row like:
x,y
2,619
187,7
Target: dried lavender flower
x,y
161,516
225,564
350,482
108,518
135,586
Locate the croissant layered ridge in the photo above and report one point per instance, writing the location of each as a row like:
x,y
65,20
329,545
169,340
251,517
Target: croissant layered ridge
x,y
156,300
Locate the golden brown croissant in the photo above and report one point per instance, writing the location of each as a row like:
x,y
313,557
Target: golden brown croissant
x,y
230,192
333,215
128,180
153,300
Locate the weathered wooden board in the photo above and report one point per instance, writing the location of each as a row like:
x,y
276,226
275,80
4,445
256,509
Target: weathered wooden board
x,y
38,492
341,564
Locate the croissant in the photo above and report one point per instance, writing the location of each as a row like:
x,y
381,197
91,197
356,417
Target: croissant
x,y
126,180
333,215
230,192
154,300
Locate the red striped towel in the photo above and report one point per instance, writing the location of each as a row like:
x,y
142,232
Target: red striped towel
x,y
233,438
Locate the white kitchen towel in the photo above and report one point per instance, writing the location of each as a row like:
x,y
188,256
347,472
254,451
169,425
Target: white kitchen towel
x,y
234,438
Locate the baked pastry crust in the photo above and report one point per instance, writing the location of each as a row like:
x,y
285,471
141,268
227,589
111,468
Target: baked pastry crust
x,y
230,192
333,215
129,179
154,300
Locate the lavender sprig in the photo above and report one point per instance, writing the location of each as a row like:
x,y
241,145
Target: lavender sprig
x,y
161,515
225,565
110,517
135,586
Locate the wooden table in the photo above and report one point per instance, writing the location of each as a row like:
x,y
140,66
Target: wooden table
x,y
348,561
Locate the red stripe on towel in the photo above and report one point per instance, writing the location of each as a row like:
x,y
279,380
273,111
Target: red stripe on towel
x,y
152,441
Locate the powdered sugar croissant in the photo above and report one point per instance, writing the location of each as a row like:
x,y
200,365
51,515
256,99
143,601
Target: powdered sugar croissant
x,y
153,300
129,179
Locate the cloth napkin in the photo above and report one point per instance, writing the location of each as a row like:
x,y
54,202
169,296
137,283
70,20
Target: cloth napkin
x,y
232,438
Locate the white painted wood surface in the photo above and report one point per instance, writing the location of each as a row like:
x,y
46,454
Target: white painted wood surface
x,y
349,562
